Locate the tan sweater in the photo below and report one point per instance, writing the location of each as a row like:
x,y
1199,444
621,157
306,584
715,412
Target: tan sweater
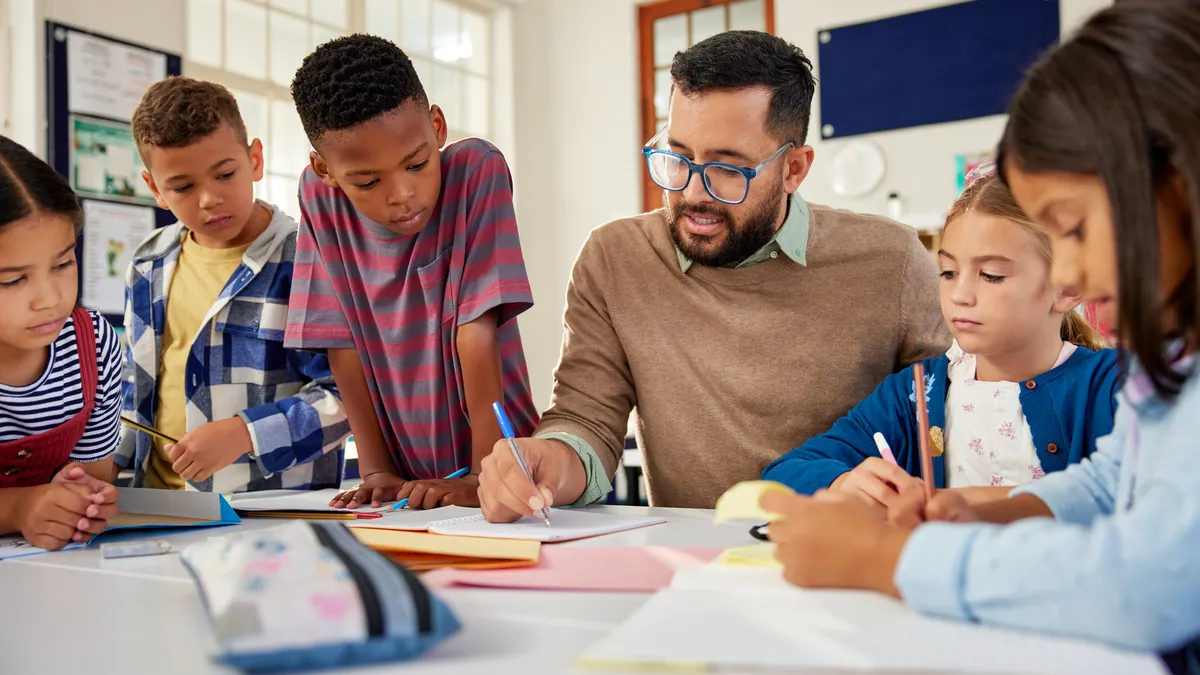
x,y
731,368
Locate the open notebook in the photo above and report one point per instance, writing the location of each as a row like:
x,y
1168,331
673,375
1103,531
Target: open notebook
x,y
293,504
716,618
565,524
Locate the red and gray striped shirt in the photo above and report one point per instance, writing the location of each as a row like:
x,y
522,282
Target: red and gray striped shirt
x,y
399,300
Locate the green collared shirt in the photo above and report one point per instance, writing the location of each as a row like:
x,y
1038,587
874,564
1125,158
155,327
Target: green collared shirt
x,y
791,239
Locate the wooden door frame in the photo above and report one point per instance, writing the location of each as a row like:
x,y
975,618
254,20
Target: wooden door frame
x,y
647,14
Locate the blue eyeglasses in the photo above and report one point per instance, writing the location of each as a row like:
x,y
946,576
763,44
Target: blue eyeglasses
x,y
726,183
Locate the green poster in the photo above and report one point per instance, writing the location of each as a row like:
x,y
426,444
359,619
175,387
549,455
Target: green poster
x,y
105,161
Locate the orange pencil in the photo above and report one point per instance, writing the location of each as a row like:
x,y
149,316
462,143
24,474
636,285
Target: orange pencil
x,y
923,428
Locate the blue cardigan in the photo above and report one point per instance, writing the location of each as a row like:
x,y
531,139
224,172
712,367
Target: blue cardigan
x,y
1067,408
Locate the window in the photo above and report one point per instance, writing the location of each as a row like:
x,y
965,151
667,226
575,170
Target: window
x,y
671,26
450,46
254,47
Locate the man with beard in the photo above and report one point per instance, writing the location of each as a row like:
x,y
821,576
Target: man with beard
x,y
738,319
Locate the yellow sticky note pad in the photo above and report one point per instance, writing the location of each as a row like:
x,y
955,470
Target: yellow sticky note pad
x,y
755,555
741,501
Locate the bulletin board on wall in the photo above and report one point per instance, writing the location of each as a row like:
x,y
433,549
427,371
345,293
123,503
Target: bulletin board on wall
x,y
946,64
93,84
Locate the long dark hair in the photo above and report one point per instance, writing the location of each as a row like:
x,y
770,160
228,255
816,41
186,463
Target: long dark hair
x,y
28,185
1121,100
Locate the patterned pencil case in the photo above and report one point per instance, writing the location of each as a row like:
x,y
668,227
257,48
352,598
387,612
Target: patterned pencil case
x,y
309,595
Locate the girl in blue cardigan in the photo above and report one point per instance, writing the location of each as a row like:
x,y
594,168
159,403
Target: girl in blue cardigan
x,y
1025,390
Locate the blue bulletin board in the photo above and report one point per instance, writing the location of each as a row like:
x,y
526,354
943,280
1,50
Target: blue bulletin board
x,y
93,83
940,65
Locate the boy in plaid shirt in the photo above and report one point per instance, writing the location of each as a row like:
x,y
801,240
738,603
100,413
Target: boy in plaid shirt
x,y
205,313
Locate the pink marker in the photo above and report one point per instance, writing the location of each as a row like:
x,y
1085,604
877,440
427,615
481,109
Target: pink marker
x,y
885,450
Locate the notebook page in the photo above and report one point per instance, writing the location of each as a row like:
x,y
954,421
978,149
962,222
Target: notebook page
x,y
803,630
565,525
292,500
412,520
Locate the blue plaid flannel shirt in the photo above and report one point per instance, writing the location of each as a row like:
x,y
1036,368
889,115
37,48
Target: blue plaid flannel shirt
x,y
237,366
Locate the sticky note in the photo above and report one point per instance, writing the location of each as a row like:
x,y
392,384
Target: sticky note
x,y
741,501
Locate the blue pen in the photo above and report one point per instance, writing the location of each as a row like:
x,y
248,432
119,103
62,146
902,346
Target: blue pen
x,y
457,474
506,428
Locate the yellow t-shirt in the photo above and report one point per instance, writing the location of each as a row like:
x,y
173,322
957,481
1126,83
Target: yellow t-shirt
x,y
200,275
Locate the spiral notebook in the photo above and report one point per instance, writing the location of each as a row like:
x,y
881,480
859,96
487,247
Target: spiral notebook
x,y
565,525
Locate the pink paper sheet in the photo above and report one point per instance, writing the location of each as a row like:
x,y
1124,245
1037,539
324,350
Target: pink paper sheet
x,y
586,568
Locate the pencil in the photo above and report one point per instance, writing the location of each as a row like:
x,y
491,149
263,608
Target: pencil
x,y
147,430
923,428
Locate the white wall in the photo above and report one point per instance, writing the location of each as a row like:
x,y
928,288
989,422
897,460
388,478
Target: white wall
x,y
921,166
578,136
156,23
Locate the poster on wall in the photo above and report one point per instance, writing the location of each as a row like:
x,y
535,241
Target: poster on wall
x,y
105,161
111,233
106,78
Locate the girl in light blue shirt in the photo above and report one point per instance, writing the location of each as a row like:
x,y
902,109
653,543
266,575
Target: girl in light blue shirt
x,y
1102,148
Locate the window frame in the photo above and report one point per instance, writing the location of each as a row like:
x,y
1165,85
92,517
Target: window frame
x,y
647,15
356,12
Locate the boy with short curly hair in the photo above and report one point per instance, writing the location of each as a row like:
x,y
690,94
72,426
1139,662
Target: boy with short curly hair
x,y
409,275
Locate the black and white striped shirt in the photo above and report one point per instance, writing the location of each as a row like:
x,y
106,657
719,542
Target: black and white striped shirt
x,y
57,395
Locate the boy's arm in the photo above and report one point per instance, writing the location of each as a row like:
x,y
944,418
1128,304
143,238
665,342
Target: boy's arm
x,y
300,428
483,383
360,412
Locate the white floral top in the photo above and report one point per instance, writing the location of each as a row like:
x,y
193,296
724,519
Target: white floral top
x,y
988,440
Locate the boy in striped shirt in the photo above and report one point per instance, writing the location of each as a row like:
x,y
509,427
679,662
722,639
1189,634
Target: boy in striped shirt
x,y
408,274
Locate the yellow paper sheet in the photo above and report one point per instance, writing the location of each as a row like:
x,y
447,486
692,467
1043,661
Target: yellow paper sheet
x,y
755,555
398,541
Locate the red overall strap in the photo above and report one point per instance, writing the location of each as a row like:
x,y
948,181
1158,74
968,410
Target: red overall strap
x,y
85,344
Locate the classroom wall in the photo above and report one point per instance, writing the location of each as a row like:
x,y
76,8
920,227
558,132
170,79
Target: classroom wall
x,y
156,23
578,134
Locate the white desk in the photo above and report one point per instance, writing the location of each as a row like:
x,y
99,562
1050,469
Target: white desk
x,y
73,611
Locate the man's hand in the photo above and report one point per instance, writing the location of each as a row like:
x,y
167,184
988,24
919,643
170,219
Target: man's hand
x,y
377,488
506,494
430,494
875,481
209,448
834,541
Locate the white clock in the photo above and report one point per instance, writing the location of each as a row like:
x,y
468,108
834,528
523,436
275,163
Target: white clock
x,y
858,168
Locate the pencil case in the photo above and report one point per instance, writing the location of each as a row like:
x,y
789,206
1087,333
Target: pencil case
x,y
309,595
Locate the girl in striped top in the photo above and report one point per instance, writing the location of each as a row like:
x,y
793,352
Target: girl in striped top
x,y
60,397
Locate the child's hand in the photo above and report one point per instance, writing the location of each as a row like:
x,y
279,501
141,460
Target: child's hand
x,y
209,448
375,489
61,512
876,481
834,541
430,494
911,509
104,499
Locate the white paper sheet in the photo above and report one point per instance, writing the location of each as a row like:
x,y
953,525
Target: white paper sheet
x,y
415,520
751,620
565,525
89,173
292,500
107,78
16,547
111,233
